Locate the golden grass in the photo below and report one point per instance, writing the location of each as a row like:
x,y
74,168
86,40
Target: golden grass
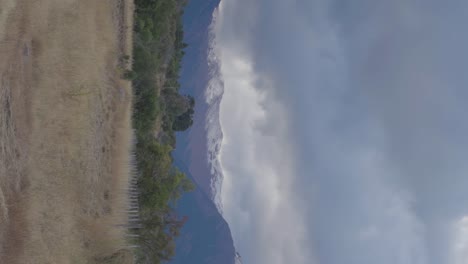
x,y
7,7
65,131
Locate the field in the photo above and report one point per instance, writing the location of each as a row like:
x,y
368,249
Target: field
x,y
65,130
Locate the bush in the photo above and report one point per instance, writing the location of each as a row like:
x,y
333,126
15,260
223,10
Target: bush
x,y
130,75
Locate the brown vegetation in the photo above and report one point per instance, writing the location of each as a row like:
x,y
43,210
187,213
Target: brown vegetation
x,y
65,130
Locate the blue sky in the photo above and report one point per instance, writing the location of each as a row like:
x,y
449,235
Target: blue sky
x,y
345,130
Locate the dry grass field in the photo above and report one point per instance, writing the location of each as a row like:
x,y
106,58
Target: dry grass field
x,y
65,130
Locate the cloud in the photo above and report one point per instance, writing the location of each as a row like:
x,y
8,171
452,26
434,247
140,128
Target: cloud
x,y
344,131
263,211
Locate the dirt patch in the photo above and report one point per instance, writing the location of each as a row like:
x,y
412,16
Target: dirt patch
x,y
65,130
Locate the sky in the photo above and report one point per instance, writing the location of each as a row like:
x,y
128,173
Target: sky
x,y
345,130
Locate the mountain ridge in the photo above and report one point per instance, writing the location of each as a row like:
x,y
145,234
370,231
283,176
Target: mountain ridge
x,y
206,238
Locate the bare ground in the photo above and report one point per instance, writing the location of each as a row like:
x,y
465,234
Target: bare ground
x,y
65,130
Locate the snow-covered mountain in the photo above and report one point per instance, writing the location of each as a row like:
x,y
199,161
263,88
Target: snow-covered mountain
x,y
238,258
206,238
213,96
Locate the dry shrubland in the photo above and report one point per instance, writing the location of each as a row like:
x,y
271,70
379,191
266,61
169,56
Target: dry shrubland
x,y
65,130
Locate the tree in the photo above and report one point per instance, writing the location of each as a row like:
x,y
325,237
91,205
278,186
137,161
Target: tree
x,y
185,120
176,104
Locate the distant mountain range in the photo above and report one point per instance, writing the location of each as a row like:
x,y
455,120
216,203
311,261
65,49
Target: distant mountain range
x,y
206,237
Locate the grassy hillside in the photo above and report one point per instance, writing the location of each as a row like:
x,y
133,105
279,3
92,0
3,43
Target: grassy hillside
x,y
65,131
159,111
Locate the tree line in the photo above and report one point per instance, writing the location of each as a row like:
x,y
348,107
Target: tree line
x,y
159,111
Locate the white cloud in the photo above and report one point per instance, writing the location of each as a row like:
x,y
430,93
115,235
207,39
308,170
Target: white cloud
x,y
344,132
257,193
460,251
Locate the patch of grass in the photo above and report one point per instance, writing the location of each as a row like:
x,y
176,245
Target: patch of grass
x,y
59,108
123,256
